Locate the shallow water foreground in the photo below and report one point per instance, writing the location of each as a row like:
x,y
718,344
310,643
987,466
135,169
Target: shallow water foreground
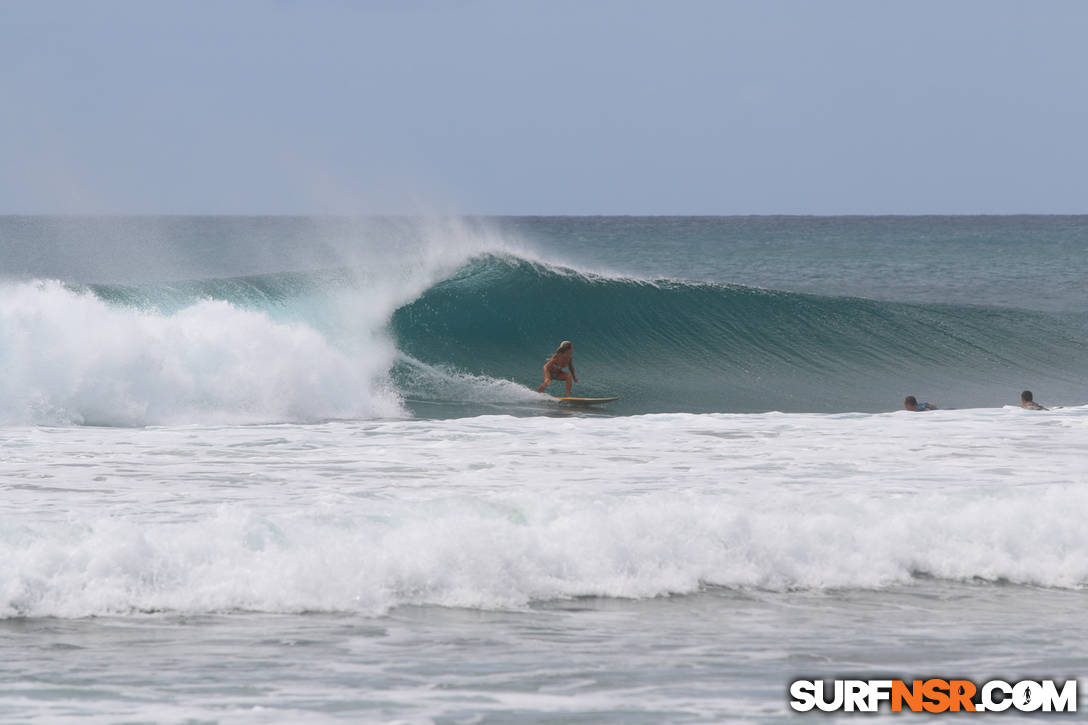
x,y
717,656
641,569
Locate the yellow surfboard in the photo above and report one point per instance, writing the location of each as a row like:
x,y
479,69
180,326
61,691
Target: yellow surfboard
x,y
586,401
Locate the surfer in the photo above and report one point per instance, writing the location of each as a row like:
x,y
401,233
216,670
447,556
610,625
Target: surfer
x,y
553,369
1027,400
911,403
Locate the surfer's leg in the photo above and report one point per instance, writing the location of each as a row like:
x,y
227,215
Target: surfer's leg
x,y
544,385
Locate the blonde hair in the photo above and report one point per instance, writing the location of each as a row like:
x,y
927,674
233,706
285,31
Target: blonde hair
x,y
564,346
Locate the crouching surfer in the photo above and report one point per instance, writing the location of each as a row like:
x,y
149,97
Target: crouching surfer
x,y
553,369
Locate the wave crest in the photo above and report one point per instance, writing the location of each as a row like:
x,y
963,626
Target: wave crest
x,y
69,357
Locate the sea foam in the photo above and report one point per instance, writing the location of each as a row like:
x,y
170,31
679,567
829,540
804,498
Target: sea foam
x,y
500,512
68,357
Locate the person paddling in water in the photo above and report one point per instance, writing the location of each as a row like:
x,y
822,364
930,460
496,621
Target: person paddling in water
x,y
911,403
1027,400
553,369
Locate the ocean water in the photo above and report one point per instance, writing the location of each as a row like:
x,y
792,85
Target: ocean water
x,y
295,469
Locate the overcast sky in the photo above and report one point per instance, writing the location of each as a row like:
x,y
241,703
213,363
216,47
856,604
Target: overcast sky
x,y
552,107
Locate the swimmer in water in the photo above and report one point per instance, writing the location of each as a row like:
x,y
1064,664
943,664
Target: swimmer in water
x,y
553,369
911,403
1027,400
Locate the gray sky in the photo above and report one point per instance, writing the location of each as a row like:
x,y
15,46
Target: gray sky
x,y
552,107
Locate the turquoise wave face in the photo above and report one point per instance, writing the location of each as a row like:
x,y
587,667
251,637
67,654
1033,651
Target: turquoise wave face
x,y
700,347
482,334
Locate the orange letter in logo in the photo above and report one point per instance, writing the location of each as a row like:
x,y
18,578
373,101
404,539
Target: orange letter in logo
x,y
937,692
911,695
961,692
